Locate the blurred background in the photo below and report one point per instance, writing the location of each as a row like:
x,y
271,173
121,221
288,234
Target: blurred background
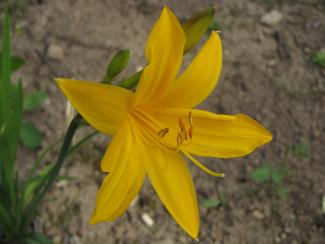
x,y
273,71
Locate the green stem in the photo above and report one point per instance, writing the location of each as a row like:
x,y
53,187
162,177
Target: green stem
x,y
82,141
56,169
42,156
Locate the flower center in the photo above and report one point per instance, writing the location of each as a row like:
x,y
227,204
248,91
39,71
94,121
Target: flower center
x,y
184,134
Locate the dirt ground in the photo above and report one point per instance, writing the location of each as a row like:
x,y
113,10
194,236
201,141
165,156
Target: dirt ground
x,y
268,74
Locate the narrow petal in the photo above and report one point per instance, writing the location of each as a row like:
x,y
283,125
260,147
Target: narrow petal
x,y
199,79
214,135
121,142
164,52
173,183
125,178
105,107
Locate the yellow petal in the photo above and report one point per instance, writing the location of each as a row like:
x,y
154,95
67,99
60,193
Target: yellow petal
x,y
199,79
124,180
121,142
173,183
214,135
164,52
105,107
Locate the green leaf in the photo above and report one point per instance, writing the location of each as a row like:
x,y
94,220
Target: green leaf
x,y
300,150
117,64
30,136
262,173
281,191
52,176
8,146
319,59
131,81
16,63
5,217
277,175
5,86
38,238
34,100
267,172
196,26
32,185
15,121
5,201
212,203
31,241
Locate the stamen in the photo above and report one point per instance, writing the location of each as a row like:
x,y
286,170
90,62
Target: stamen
x,y
190,132
179,139
190,118
201,166
181,125
185,135
149,126
163,132
190,129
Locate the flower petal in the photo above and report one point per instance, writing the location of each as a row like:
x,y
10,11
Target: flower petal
x,y
164,52
124,180
214,135
199,79
173,183
105,107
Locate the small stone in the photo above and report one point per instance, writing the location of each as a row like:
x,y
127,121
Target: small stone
x,y
139,67
258,215
287,230
168,240
271,63
147,219
61,183
55,51
272,18
277,239
57,239
74,240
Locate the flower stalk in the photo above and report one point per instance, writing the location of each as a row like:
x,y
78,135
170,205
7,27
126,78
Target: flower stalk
x,y
48,181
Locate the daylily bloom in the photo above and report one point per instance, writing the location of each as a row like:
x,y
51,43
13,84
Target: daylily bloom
x,y
156,127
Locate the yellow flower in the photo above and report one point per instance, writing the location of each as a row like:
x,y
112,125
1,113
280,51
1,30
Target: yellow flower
x,y
155,127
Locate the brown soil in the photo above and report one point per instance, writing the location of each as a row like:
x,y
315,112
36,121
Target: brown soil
x,y
268,73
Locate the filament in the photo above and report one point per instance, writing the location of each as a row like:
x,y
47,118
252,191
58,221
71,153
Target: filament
x,y
201,166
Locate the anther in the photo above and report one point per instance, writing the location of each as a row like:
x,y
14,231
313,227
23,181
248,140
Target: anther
x,y
190,118
163,132
185,135
181,125
190,132
179,139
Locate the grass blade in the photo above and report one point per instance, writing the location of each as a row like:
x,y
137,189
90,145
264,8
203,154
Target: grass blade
x,y
5,69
